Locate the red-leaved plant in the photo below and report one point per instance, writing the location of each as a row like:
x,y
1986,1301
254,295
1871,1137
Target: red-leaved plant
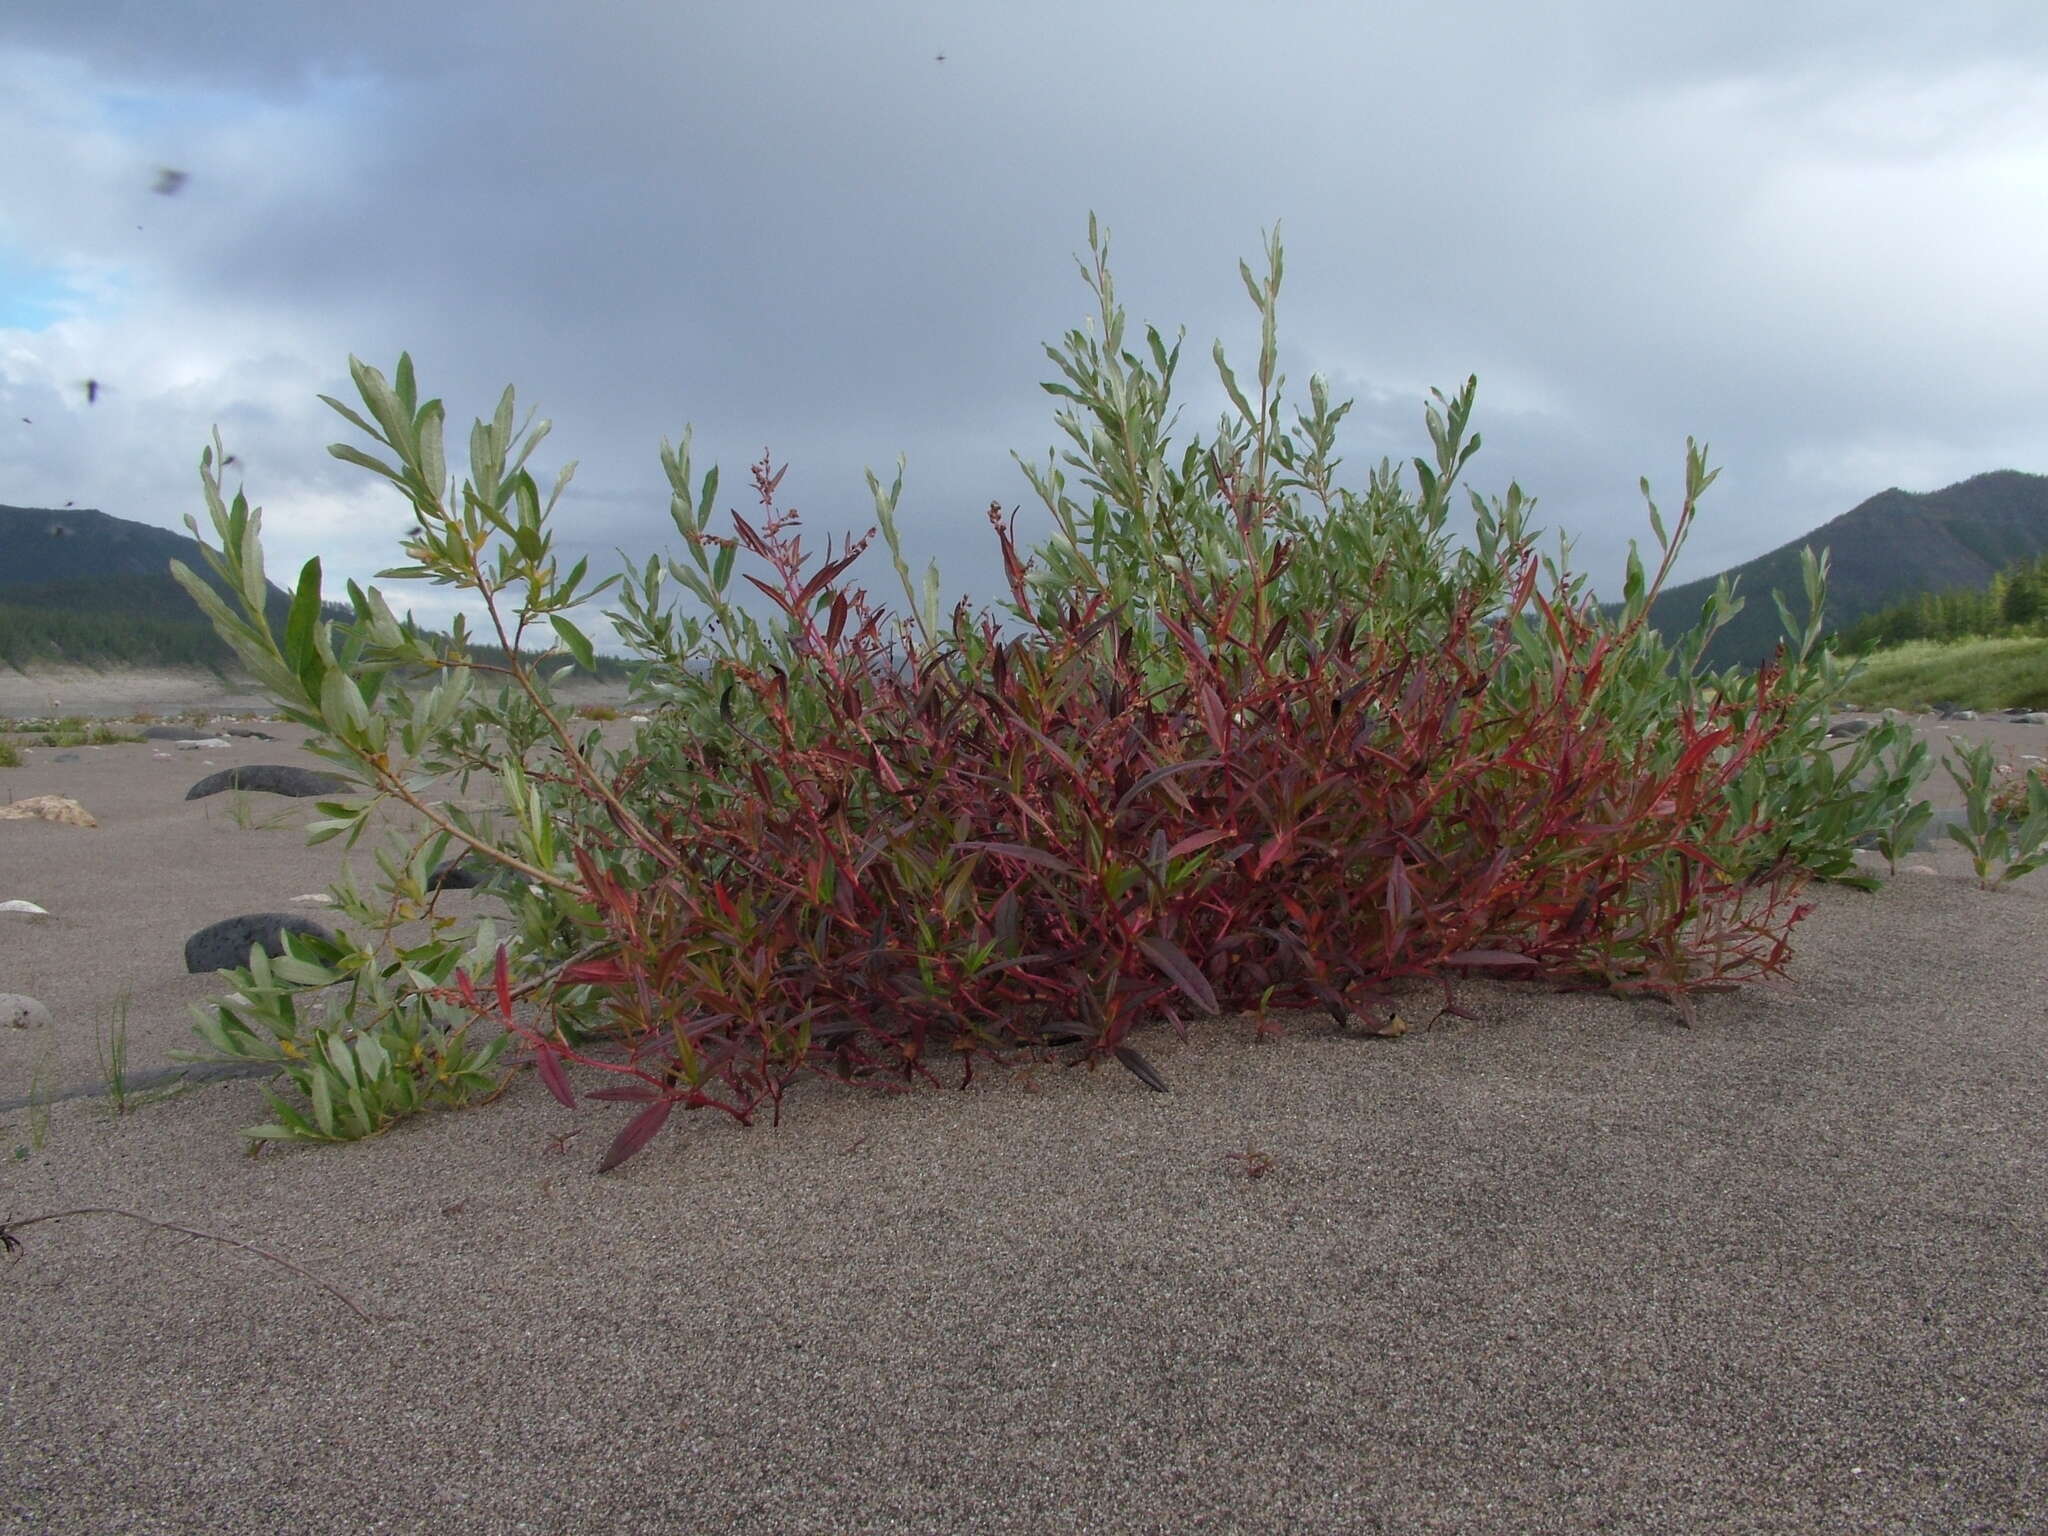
x,y
989,844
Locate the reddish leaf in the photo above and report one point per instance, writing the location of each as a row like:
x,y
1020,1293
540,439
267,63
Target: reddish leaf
x,y
503,978
1028,854
597,973
548,1063
1141,1069
1215,716
823,578
1276,849
640,1130
1272,640
1181,971
1487,957
774,595
1333,1000
1400,892
1156,775
1194,842
1694,755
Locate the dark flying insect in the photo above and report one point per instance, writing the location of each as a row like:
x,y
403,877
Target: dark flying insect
x,y
169,182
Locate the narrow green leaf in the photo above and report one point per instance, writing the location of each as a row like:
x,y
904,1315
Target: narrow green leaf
x,y
356,456
299,652
577,642
322,1096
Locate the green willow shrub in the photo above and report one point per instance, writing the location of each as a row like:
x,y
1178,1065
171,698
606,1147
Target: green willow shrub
x,y
1219,610
2005,841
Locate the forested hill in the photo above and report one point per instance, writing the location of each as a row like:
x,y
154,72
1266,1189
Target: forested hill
x,y
80,586
1894,546
38,545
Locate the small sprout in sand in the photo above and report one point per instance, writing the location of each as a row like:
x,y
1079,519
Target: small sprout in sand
x,y
1256,1163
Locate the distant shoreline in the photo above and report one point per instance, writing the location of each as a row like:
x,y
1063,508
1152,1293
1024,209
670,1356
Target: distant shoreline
x,y
119,692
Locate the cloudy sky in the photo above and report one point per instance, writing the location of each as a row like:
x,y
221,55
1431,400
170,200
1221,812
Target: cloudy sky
x,y
1814,235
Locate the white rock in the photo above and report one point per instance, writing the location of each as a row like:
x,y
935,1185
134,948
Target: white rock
x,y
27,908
206,744
19,1012
314,899
638,719
1920,869
57,808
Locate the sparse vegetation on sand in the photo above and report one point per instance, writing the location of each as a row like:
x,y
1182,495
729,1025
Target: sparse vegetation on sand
x,y
1238,739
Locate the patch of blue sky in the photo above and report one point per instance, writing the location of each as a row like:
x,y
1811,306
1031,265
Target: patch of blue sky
x,y
170,120
33,298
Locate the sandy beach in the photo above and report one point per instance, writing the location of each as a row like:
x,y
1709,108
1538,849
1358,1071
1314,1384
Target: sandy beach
x,y
1570,1267
52,692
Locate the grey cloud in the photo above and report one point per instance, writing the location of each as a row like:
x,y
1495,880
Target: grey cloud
x,y
792,226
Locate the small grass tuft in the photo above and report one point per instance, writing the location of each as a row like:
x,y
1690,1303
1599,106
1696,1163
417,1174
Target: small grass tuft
x,y
111,1049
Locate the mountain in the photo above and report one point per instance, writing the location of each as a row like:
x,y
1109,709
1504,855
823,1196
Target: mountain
x,y
1896,545
78,585
39,545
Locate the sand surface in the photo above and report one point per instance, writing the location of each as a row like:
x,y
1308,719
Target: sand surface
x,y
1572,1267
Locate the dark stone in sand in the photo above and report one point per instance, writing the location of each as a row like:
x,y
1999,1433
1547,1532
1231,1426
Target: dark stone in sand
x,y
273,778
226,943
243,730
65,757
455,875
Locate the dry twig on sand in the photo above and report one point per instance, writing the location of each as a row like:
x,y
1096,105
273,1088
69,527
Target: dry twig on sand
x,y
11,1243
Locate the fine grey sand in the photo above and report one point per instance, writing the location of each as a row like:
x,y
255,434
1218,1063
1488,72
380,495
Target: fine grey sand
x,y
1570,1267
